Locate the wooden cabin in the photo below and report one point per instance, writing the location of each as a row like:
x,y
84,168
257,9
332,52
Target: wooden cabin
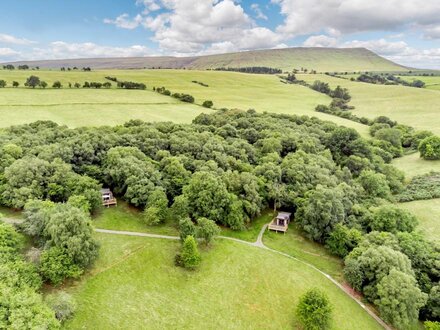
x,y
280,222
107,197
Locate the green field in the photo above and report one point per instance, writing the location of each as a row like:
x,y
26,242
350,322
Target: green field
x,y
428,213
135,285
417,107
413,165
79,107
430,82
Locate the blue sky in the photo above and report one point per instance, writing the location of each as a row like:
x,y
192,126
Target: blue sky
x,y
406,31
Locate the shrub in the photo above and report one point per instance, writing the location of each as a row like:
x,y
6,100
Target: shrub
x,y
432,325
57,84
208,104
62,304
190,256
342,240
15,84
314,310
392,219
56,266
421,187
186,228
2,83
430,148
206,230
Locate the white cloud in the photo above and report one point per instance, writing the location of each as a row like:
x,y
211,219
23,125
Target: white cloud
x,y
61,50
8,52
432,32
200,27
258,12
125,22
8,39
380,46
400,52
347,16
321,41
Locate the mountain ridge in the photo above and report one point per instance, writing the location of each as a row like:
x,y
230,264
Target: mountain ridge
x,y
317,58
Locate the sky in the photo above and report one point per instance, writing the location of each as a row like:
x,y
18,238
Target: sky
x,y
405,31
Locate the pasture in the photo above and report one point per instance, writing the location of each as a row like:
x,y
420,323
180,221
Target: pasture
x,y
431,82
87,107
413,165
416,107
135,285
428,213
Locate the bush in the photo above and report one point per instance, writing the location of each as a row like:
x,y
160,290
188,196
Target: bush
x,y
431,325
56,266
62,304
186,228
342,240
421,187
392,219
430,148
190,256
314,310
207,230
208,104
57,84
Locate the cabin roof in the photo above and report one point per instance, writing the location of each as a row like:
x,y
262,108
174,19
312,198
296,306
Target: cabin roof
x,y
105,191
283,215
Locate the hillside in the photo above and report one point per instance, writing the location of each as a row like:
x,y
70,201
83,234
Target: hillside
x,y
320,59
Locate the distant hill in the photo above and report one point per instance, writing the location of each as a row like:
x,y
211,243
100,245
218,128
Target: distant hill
x,y
319,59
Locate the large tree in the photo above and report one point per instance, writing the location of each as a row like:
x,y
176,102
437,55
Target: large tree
x,y
399,299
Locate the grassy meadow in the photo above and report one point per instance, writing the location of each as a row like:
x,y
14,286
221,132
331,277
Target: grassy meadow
x,y
417,107
135,285
428,213
431,82
85,107
413,165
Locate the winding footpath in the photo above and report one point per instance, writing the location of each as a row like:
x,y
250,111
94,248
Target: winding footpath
x,y
258,244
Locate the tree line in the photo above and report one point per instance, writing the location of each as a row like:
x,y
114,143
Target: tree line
x,y
252,69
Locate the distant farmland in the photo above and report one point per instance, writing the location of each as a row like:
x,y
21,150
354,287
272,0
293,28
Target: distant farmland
x,y
79,107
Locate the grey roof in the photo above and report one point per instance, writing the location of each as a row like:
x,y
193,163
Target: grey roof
x,y
105,191
283,215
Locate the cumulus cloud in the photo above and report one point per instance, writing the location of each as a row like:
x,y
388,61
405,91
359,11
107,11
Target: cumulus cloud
x,y
321,41
8,39
201,27
380,46
347,16
61,50
124,21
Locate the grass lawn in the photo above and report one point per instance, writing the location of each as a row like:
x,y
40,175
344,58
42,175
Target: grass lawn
x,y
294,243
128,218
413,165
86,107
83,107
135,285
417,107
428,213
251,232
